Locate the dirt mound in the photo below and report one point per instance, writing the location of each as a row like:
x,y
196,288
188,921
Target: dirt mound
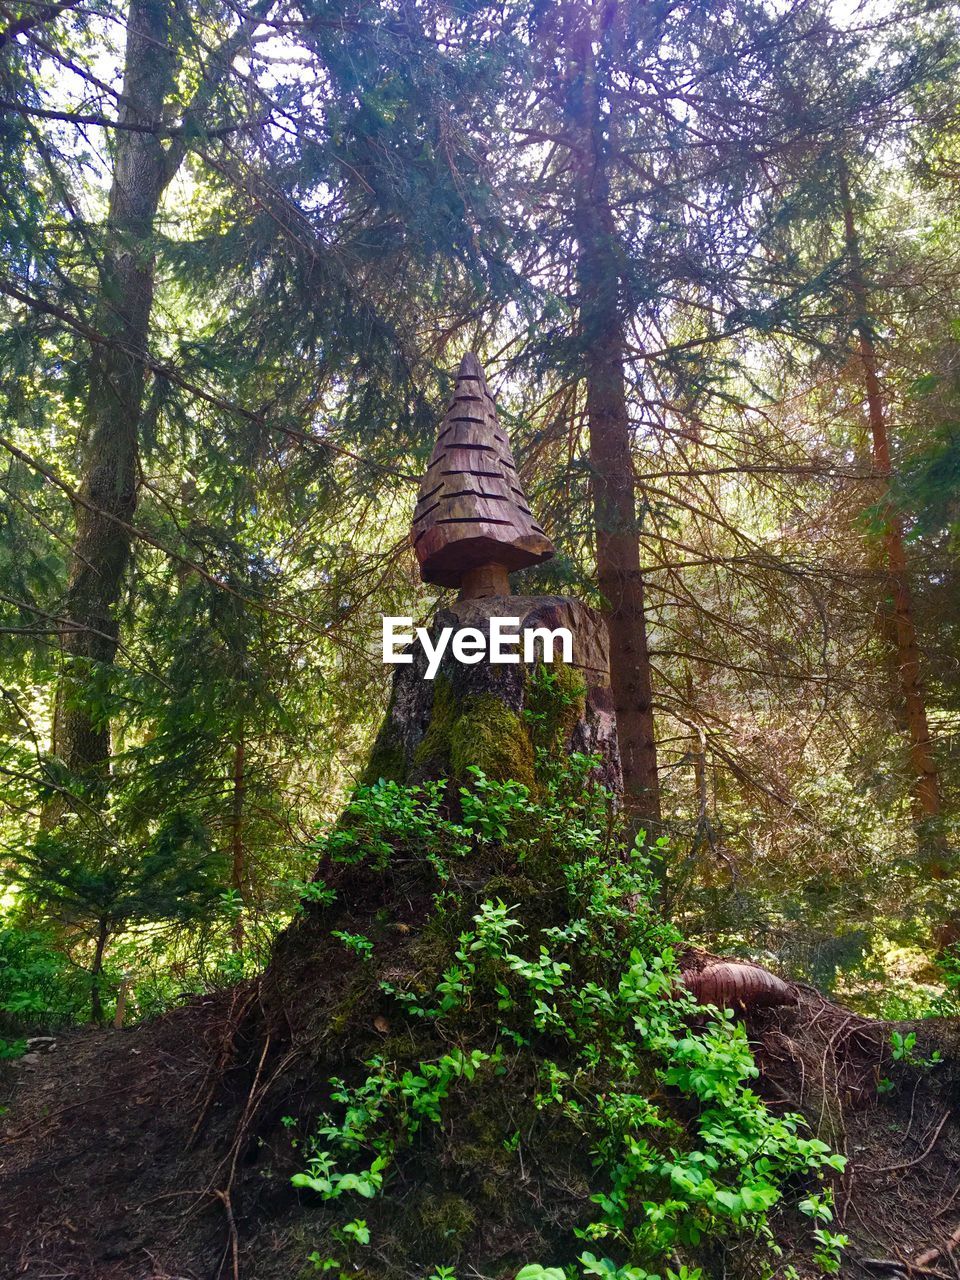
x,y
897,1122
151,1152
100,1173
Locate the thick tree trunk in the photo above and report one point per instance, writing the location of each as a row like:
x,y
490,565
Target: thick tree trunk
x,y
477,714
614,498
108,493
899,626
621,584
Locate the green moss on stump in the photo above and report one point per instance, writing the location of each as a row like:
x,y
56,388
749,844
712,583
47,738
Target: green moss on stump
x,y
556,700
479,730
432,756
387,760
487,733
356,1008
444,1223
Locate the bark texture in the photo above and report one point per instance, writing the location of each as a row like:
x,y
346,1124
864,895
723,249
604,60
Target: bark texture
x,y
108,493
897,617
614,499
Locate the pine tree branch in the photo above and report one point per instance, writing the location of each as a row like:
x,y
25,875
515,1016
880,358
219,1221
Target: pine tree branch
x,y
28,21
158,130
162,370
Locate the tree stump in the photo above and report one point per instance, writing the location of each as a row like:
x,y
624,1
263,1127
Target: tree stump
x,y
490,715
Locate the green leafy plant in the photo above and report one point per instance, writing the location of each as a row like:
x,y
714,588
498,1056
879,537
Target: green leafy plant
x,y
322,1264
309,892
38,985
828,1250
902,1050
534,1271
595,988
355,942
490,808
356,1230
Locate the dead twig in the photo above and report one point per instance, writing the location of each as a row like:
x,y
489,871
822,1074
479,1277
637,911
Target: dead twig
x,y
224,1198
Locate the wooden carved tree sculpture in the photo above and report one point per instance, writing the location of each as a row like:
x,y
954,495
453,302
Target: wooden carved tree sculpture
x,y
472,524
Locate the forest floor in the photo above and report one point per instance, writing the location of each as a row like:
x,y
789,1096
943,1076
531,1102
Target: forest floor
x,y
121,1150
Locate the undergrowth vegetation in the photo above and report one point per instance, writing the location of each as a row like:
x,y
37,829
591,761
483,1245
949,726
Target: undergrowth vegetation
x,y
554,986
46,979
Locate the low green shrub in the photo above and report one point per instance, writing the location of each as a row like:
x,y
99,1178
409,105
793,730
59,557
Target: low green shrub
x,y
576,986
39,988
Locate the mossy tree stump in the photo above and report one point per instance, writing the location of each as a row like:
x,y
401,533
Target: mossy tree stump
x,y
494,715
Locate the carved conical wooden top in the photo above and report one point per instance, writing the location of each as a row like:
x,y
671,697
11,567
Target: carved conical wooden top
x,y
472,511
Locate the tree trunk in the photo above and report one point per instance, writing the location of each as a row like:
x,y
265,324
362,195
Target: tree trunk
x,y
108,491
238,876
96,971
614,499
495,716
899,627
